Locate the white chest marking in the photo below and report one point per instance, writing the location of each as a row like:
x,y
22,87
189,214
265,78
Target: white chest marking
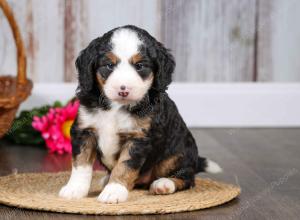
x,y
107,125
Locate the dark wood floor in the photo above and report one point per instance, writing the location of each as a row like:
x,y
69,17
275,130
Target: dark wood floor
x,y
264,162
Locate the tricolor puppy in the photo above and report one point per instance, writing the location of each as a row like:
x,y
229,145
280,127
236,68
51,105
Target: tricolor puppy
x,y
127,120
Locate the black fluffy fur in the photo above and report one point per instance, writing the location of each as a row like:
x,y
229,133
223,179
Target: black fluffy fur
x,y
168,135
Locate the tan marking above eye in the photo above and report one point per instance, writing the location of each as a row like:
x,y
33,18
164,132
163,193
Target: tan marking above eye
x,y
113,58
135,58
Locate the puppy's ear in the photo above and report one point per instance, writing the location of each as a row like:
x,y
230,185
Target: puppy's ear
x,y
165,66
85,66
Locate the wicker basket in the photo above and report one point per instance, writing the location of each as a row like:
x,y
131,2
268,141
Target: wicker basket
x,y
13,90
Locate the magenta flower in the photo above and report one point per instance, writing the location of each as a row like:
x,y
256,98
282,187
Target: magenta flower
x,y
55,127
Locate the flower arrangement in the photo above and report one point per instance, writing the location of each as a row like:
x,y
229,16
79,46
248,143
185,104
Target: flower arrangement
x,y
47,125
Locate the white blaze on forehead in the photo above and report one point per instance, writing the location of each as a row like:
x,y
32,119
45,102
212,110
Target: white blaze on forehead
x,y
125,43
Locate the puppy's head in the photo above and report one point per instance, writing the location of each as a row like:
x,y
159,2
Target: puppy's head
x,y
125,64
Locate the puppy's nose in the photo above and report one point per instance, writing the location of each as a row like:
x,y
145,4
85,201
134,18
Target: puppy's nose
x,y
124,91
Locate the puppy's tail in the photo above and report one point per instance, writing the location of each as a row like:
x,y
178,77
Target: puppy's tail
x,y
207,165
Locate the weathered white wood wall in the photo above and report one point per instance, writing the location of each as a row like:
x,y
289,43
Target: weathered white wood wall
x,y
42,27
212,40
278,55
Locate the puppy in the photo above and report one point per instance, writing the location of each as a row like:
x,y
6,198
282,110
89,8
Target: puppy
x,y
127,120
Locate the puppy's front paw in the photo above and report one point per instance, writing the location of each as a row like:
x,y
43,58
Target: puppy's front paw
x,y
162,186
73,191
113,193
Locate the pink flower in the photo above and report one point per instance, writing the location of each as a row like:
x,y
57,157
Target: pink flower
x,y
55,127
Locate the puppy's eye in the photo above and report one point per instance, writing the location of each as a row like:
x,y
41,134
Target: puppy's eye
x,y
139,66
110,66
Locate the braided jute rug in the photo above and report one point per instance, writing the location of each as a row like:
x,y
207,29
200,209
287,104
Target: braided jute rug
x,y
39,191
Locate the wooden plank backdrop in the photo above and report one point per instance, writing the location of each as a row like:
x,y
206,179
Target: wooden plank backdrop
x,y
42,27
212,40
278,55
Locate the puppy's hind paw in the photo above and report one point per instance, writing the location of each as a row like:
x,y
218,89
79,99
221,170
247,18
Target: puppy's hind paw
x,y
162,186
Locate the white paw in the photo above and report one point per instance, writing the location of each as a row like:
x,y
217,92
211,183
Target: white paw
x,y
113,193
103,181
73,191
162,186
79,183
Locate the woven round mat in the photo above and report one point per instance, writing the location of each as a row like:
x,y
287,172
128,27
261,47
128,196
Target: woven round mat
x,y
39,191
